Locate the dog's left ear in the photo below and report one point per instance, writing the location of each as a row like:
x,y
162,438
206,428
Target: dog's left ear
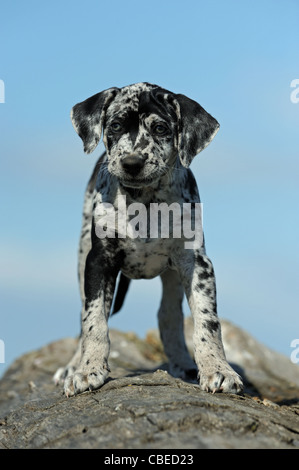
x,y
88,117
197,128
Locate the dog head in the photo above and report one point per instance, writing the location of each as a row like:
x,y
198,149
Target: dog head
x,y
145,128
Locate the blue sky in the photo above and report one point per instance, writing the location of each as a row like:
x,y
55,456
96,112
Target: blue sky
x,y
237,59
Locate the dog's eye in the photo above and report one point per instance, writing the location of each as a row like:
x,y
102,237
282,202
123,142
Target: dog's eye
x,y
160,129
116,126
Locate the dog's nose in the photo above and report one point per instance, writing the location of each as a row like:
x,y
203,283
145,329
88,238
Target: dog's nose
x,y
132,163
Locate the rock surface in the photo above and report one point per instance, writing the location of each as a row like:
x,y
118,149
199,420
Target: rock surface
x,y
141,406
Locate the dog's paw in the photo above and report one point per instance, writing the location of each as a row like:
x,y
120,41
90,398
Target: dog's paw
x,y
81,381
226,381
62,373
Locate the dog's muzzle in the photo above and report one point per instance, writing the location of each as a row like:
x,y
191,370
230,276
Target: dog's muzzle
x,y
132,163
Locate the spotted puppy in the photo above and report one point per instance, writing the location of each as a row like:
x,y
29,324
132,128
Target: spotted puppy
x,y
151,136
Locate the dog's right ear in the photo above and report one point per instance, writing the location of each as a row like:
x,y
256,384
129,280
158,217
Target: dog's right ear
x,y
88,116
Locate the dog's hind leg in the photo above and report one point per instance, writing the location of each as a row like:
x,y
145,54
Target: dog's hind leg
x,y
171,325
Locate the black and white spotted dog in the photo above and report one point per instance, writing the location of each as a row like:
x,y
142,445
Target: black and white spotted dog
x,y
151,136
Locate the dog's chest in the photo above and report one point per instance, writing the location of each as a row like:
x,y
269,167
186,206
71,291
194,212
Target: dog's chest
x,y
144,234
145,259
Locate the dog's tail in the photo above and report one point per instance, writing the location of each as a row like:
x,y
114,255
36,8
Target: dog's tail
x,y
122,289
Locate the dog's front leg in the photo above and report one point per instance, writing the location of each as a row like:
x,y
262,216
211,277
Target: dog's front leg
x,y
100,276
214,372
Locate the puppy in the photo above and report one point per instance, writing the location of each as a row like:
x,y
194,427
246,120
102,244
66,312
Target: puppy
x,y
151,136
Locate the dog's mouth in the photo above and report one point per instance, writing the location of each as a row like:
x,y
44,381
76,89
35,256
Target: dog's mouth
x,y
141,181
137,183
